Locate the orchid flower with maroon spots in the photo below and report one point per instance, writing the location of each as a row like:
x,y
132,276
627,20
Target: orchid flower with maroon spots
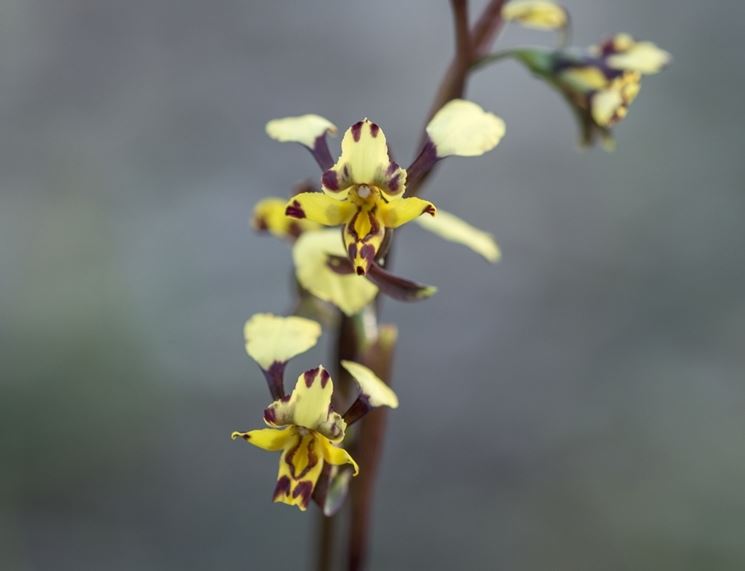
x,y
307,432
364,190
600,83
303,424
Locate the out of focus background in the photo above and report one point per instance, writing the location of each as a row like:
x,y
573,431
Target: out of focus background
x,y
578,406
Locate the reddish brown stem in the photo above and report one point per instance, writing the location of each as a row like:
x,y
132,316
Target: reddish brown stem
x,y
369,445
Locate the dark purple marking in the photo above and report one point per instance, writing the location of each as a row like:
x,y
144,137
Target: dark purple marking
x,y
393,183
360,271
339,264
357,131
270,415
324,378
357,410
304,490
368,252
350,226
312,458
429,209
423,163
309,376
274,376
295,210
374,129
346,171
352,250
330,180
321,153
282,488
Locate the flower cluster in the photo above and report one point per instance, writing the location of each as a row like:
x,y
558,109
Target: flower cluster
x,y
341,224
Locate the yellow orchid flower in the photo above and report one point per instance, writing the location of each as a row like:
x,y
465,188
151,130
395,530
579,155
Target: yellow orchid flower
x,y
307,432
303,425
601,83
364,190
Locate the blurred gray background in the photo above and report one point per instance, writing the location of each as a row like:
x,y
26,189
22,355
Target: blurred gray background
x,y
578,406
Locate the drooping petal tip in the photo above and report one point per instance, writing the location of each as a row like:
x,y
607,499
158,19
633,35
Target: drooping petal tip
x,y
454,229
371,386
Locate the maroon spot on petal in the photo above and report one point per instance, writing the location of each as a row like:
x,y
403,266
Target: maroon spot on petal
x,y
346,171
330,180
374,129
282,488
260,224
295,210
350,227
270,415
357,131
429,209
304,490
324,378
352,250
393,183
310,376
360,271
368,252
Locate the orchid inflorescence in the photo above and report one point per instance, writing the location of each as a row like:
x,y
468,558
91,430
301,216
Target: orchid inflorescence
x,y
341,226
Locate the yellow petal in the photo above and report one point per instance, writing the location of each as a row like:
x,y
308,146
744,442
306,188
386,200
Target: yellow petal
x,y
450,227
464,129
610,105
269,215
364,160
311,398
644,57
540,14
300,466
336,456
272,338
605,104
398,212
585,78
371,386
304,129
319,207
271,439
350,293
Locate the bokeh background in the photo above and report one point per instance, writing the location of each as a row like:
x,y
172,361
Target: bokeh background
x,y
579,406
